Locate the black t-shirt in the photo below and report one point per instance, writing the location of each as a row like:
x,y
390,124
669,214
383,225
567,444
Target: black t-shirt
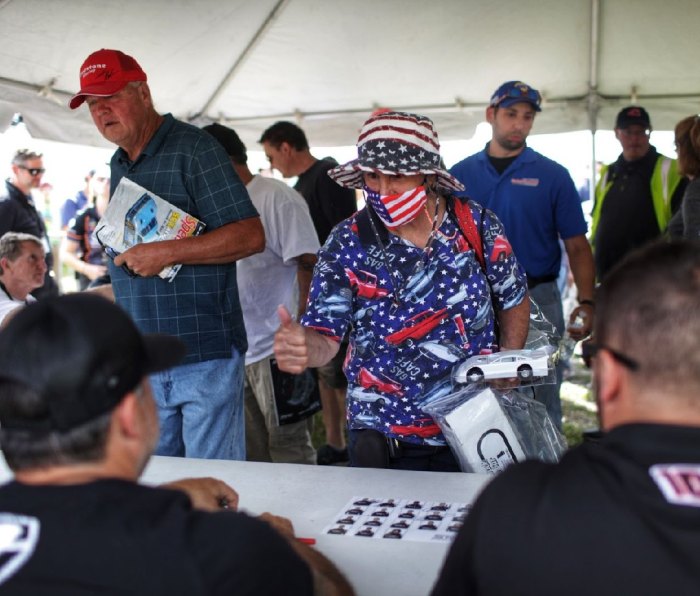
x,y
500,164
116,537
18,214
596,523
627,218
329,203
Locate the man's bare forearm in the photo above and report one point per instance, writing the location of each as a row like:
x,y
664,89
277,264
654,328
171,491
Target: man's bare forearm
x,y
226,244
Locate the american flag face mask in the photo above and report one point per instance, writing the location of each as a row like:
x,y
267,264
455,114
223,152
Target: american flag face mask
x,y
399,209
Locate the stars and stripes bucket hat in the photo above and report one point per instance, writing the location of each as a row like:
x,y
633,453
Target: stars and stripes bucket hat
x,y
396,143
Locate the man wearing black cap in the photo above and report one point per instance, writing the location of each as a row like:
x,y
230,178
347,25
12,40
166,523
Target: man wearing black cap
x,y
539,206
78,426
635,196
620,515
277,423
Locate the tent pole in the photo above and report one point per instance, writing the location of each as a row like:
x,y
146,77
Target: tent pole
x,y
244,54
593,97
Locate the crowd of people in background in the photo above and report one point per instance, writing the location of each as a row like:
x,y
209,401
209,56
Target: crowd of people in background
x,y
293,300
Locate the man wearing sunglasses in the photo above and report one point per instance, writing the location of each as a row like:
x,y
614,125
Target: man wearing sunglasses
x,y
537,202
620,515
642,183
19,214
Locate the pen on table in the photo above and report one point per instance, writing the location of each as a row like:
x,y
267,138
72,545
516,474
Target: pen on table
x,y
309,541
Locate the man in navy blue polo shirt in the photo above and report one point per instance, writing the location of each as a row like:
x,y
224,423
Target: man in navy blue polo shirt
x,y
537,202
200,402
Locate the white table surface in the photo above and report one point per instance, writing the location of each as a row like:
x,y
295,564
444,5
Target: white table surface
x,y
311,496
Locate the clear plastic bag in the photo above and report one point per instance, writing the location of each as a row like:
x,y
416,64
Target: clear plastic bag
x,y
541,333
533,365
488,429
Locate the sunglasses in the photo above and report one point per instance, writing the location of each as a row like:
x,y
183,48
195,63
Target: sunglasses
x,y
522,92
590,349
33,171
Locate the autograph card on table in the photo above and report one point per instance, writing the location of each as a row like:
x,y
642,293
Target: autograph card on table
x,y
398,519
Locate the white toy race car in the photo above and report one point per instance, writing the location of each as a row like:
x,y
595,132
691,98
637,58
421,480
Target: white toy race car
x,y
523,364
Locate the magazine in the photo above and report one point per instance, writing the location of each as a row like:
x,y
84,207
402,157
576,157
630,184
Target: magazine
x,y
135,215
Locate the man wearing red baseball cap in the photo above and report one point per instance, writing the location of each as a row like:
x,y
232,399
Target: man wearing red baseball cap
x,y
200,401
105,73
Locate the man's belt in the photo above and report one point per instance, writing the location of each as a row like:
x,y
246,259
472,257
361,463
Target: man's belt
x,y
533,281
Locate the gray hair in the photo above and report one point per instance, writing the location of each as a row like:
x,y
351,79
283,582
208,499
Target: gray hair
x,y
11,245
22,156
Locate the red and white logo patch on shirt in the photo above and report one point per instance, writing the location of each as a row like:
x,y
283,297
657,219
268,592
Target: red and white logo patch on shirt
x,y
679,483
525,181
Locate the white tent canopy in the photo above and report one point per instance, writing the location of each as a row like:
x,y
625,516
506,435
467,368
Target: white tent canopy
x,y
327,64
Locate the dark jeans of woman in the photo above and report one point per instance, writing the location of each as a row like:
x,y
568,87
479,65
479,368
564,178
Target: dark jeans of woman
x,y
371,449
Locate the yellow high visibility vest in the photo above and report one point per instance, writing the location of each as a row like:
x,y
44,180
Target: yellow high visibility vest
x,y
664,181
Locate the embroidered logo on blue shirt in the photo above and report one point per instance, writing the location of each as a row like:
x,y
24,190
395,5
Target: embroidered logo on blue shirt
x,y
526,181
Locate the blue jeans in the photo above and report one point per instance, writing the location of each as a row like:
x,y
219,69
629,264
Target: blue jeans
x,y
548,298
200,409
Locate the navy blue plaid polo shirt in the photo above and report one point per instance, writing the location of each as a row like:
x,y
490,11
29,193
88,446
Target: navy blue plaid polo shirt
x,y
188,168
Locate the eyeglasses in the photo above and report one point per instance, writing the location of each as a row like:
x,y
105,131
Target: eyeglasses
x,y
33,171
626,132
590,349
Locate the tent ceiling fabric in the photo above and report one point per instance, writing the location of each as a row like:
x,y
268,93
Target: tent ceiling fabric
x,y
327,65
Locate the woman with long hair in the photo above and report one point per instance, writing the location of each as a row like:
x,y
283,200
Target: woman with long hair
x,y
686,222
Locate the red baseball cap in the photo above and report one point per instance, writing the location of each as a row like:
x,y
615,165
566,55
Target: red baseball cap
x,y
105,73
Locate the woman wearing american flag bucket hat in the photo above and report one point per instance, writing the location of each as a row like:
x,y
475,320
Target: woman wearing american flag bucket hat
x,y
421,279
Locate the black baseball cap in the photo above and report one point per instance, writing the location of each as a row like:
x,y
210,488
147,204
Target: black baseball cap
x,y
631,116
81,354
229,140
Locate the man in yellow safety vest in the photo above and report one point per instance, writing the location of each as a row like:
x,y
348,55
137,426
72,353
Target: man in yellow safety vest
x,y
636,195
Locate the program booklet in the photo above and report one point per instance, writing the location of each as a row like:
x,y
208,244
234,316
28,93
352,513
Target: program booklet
x,y
135,215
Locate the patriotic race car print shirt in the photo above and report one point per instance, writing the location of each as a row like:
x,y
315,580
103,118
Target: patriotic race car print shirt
x,y
413,315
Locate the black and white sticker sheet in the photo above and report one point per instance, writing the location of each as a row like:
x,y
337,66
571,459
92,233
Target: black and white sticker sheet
x,y
399,519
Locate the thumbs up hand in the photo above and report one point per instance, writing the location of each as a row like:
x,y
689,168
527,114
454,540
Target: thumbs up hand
x,y
290,346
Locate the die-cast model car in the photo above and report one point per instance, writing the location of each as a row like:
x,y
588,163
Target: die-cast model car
x,y
523,364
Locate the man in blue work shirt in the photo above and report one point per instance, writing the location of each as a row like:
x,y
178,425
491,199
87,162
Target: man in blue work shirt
x,y
536,200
